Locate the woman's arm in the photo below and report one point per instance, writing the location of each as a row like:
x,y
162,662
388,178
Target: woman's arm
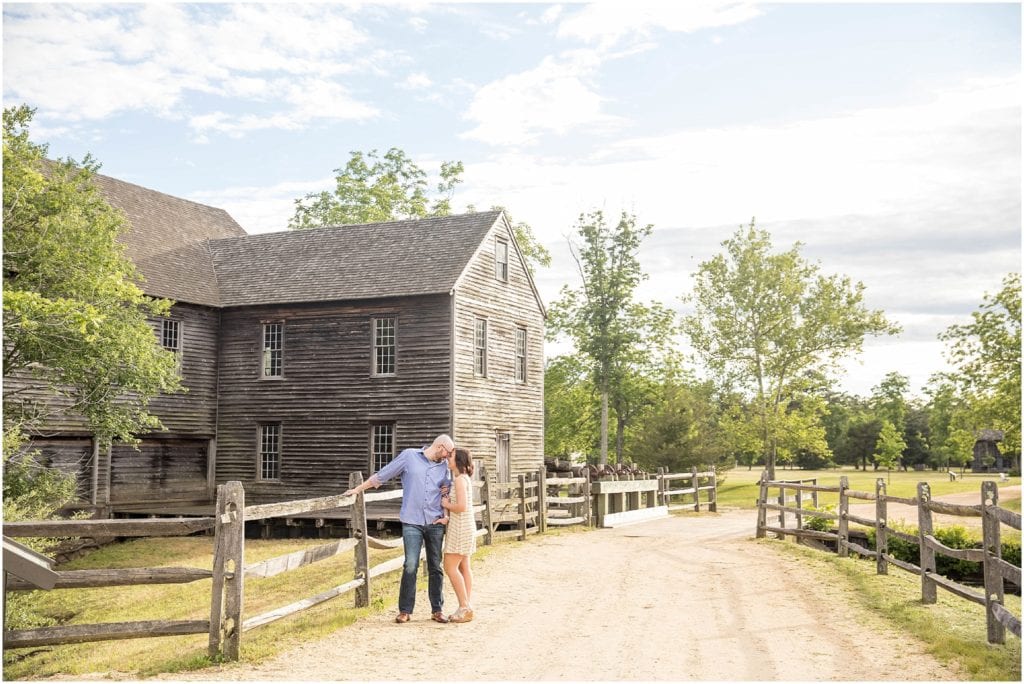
x,y
460,497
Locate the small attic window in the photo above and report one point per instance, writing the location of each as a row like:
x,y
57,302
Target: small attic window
x,y
501,259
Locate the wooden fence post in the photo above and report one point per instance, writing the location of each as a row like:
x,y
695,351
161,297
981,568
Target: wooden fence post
x,y
844,522
228,572
485,515
762,499
713,507
782,514
217,590
588,505
799,507
542,499
362,550
927,553
992,543
881,531
696,490
661,486
522,507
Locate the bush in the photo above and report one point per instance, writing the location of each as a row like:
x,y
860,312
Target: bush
x,y
955,537
817,523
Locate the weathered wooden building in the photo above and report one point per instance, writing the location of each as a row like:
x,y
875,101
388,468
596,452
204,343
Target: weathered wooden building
x,y
312,354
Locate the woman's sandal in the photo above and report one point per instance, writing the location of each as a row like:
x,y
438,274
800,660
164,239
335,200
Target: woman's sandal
x,y
461,615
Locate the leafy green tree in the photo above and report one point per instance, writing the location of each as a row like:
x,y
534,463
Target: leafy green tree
x,y
609,329
889,447
764,320
571,409
889,402
75,321
374,189
680,429
986,354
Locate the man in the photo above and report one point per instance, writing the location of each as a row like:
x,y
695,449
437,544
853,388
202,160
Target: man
x,y
424,479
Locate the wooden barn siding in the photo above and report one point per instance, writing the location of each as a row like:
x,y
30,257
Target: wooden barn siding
x,y
193,413
327,398
187,414
164,469
484,406
72,456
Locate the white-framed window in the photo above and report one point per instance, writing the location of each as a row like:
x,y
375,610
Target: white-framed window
x,y
520,354
384,345
501,259
480,348
272,365
382,445
170,334
270,451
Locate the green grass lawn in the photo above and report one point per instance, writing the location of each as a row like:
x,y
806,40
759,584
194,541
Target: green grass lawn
x,y
191,602
740,489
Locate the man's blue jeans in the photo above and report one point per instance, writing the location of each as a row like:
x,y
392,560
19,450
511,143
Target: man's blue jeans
x,y
414,537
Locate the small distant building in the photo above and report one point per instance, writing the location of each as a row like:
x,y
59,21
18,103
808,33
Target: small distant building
x,y
987,458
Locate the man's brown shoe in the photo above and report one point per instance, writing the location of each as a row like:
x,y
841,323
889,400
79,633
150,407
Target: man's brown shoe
x,y
438,617
402,617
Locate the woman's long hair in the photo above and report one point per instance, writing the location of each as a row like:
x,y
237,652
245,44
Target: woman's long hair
x,y
463,461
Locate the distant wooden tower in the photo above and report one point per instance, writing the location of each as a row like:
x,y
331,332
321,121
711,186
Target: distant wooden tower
x,y
987,458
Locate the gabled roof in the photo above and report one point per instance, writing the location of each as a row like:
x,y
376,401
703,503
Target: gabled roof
x,y
364,261
167,240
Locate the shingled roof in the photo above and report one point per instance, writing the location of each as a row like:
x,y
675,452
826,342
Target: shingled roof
x,y
365,261
167,240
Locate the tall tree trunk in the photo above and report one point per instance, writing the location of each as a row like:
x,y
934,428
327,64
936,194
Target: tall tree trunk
x,y
604,428
620,436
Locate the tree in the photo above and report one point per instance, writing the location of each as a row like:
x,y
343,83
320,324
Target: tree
x,y
889,447
889,402
986,354
75,321
570,407
373,189
609,329
763,320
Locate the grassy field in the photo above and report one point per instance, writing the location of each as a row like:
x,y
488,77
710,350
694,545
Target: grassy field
x,y
190,601
739,489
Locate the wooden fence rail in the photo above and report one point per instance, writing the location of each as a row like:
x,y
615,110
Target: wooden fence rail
x,y
676,498
529,504
996,570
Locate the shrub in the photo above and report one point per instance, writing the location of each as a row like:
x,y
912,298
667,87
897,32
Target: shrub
x,y
955,537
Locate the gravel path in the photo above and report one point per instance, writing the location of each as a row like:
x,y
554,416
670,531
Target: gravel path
x,y
681,598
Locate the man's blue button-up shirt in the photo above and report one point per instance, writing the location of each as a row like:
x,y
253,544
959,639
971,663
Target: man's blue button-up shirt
x,y
422,480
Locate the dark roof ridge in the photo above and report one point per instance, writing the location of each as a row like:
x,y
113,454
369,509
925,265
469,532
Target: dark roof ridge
x,y
368,224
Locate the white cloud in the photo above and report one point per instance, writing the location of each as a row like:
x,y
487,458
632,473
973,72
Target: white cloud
x,y
607,23
87,62
417,81
261,209
554,97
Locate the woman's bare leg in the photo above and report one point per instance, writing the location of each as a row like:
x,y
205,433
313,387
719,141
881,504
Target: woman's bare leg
x,y
467,578
452,561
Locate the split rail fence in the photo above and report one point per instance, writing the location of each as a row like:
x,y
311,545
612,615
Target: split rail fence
x,y
529,505
996,569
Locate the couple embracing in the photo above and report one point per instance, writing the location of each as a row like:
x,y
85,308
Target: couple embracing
x,y
437,495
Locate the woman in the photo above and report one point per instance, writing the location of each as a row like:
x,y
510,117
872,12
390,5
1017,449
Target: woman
x,y
460,539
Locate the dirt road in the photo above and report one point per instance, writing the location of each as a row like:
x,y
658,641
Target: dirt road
x,y
679,598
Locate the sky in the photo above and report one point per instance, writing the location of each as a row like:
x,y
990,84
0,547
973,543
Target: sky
x,y
885,138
